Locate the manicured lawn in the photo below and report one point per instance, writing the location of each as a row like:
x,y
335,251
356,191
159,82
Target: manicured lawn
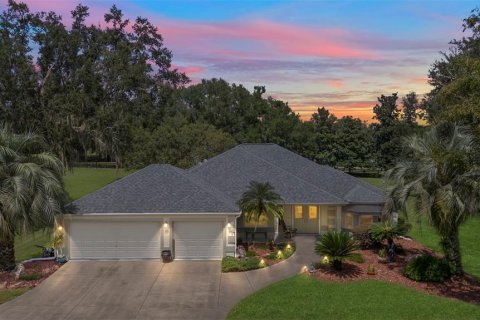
x,y
6,295
426,234
303,297
78,182
82,181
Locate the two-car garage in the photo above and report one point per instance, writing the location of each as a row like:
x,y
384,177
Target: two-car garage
x,y
157,208
191,240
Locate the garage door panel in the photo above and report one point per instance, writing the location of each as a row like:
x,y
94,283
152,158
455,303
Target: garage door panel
x,y
114,240
198,240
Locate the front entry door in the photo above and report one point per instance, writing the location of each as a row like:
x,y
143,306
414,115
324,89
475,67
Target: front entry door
x,y
306,218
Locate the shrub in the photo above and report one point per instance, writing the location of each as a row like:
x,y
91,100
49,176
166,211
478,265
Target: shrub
x,y
271,256
361,234
428,268
356,257
232,264
337,246
385,231
30,276
251,254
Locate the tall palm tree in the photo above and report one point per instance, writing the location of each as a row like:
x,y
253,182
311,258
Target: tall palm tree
x,y
443,178
31,189
259,200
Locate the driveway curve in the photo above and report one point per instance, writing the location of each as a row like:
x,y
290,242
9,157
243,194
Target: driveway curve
x,y
149,289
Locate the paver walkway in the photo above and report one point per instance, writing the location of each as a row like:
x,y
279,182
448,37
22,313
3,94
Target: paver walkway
x,y
119,290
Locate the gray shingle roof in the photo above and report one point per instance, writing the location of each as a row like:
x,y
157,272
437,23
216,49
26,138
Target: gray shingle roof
x,y
295,178
215,185
155,189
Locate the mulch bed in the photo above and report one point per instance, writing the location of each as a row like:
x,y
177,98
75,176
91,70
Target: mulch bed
x,y
262,251
464,288
45,268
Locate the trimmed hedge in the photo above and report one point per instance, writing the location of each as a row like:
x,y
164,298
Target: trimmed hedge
x,y
428,268
232,264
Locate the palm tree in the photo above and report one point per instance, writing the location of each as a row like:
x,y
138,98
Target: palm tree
x,y
31,189
259,200
386,230
443,179
337,246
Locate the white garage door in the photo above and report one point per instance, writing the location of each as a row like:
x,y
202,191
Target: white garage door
x,y
198,240
114,240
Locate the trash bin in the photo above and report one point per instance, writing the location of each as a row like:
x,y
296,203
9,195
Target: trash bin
x,y
166,255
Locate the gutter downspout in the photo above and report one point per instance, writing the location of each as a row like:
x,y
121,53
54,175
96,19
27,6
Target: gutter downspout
x,y
236,234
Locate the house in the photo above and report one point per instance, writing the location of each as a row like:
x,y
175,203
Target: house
x,y
194,213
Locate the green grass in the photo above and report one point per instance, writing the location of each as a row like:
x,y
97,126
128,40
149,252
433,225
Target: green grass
x,y
303,297
78,182
427,235
82,181
9,294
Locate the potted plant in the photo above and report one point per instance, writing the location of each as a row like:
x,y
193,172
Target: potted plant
x,y
371,270
57,244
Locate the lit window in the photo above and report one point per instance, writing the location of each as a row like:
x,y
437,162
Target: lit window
x,y
312,212
366,219
348,222
298,212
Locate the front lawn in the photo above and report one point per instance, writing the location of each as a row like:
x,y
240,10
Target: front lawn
x,y
303,297
425,234
9,294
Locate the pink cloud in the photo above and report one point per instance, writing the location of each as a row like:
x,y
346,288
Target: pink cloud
x,y
190,70
336,83
274,37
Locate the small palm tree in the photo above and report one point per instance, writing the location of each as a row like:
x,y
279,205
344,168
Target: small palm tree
x,y
337,246
260,200
385,231
443,178
31,189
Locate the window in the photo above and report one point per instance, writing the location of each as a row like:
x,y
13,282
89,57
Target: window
x,y
312,212
348,222
364,219
332,218
298,212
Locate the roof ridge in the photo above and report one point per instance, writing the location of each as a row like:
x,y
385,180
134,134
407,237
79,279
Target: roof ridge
x,y
201,183
367,185
290,173
215,156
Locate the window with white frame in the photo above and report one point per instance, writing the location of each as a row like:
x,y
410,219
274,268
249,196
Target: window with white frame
x,y
298,212
332,218
312,212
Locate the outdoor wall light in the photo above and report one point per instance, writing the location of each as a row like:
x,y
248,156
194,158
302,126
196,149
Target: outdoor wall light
x,y
229,224
165,224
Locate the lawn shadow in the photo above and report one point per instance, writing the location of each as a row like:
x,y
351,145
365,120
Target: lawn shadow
x,y
349,271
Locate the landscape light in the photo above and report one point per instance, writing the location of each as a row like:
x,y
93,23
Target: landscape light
x,y
60,228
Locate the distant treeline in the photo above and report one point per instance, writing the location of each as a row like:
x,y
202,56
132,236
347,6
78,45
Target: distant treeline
x,y
111,94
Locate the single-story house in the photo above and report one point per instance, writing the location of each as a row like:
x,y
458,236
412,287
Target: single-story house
x,y
194,212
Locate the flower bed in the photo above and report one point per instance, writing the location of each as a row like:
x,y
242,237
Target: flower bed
x,y
35,272
465,288
259,255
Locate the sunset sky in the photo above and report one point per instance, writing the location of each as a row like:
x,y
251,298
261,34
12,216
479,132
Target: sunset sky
x,y
337,54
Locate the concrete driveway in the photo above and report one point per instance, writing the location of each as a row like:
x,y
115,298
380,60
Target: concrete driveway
x,y
147,289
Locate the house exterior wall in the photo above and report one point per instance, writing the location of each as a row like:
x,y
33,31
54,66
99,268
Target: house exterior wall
x,y
166,224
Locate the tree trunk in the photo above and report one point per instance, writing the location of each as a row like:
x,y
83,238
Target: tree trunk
x,y
7,254
282,224
451,247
